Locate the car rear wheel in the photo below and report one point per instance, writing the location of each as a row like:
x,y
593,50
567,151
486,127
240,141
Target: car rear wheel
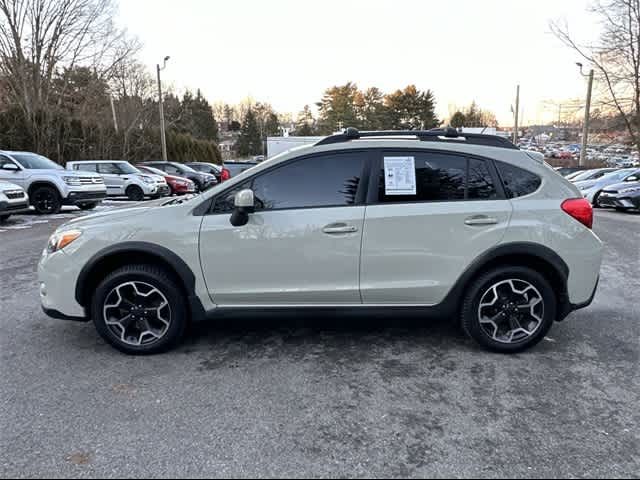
x,y
135,194
509,309
46,200
140,310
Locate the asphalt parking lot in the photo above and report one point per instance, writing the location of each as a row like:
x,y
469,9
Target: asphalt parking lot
x,y
267,396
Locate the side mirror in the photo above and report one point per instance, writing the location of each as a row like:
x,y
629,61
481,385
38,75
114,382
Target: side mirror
x,y
12,167
244,204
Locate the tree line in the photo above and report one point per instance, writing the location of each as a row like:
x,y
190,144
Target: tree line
x,y
71,88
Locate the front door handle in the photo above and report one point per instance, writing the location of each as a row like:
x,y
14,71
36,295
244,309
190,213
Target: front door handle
x,y
336,228
480,220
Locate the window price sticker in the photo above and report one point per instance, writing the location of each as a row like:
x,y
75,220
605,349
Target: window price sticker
x,y
400,175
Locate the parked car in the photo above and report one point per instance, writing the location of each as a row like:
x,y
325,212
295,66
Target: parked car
x,y
221,173
123,179
467,226
621,196
50,186
203,181
13,199
566,171
588,175
236,168
591,189
177,185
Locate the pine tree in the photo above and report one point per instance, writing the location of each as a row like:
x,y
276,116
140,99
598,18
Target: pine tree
x,y
458,120
305,123
249,142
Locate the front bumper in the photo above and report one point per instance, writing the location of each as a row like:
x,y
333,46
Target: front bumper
x,y
10,208
618,201
78,197
57,275
163,191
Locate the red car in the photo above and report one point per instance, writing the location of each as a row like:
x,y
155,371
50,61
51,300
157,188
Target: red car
x,y
178,185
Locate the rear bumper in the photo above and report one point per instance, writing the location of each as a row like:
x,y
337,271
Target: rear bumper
x,y
77,198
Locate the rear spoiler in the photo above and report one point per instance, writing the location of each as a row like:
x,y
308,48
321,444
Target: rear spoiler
x,y
537,156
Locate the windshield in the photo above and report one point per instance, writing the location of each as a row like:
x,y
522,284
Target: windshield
x,y
127,168
31,161
153,171
183,168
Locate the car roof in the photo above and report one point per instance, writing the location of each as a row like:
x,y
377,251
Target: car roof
x,y
99,161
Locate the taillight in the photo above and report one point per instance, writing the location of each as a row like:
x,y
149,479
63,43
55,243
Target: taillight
x,y
580,209
225,175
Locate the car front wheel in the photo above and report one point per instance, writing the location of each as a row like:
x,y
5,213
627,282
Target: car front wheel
x,y
140,310
46,200
135,194
509,309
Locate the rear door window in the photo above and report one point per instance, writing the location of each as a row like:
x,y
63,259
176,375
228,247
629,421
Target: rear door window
x,y
439,177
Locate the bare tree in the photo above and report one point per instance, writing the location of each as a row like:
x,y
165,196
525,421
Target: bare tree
x,y
41,40
615,57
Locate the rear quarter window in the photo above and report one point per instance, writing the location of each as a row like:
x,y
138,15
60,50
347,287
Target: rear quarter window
x,y
517,182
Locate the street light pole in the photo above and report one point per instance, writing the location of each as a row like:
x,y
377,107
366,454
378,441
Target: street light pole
x,y
163,136
517,113
587,117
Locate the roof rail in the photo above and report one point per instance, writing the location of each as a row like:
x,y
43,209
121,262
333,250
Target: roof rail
x,y
436,135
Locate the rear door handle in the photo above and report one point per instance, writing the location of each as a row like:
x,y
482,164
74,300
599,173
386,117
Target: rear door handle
x,y
480,220
337,228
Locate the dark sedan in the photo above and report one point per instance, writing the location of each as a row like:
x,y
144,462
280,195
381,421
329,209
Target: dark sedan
x,y
221,173
203,181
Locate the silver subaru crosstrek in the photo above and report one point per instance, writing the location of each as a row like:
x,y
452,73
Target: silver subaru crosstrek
x,y
464,226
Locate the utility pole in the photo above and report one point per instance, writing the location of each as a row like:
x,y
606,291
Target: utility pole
x,y
515,128
163,136
587,118
113,112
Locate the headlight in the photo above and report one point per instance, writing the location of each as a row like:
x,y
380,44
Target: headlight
x,y
147,179
630,190
72,181
58,241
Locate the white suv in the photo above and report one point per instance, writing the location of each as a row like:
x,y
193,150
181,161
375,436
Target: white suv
x,y
123,179
50,186
468,227
13,199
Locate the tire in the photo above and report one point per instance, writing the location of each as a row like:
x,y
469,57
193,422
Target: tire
x,y
135,193
621,209
88,206
46,200
117,287
4,218
596,203
536,319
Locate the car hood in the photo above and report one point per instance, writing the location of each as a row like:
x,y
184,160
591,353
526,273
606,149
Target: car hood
x,y
65,173
114,215
8,186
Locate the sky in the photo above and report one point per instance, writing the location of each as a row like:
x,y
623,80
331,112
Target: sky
x,y
287,52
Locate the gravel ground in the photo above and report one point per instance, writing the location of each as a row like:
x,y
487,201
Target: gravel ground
x,y
330,396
